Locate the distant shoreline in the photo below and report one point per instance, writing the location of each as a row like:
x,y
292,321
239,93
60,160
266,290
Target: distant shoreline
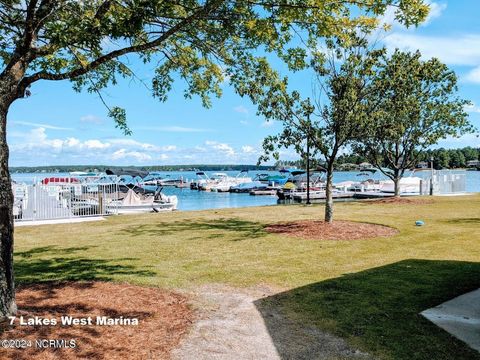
x,y
101,168
163,168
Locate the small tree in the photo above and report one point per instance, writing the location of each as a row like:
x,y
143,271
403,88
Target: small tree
x,y
414,105
332,123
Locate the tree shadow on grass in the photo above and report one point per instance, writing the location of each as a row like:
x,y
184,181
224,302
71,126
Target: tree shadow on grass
x,y
236,229
378,310
51,263
472,221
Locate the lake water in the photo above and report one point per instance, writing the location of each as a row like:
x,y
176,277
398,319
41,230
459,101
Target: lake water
x,y
201,200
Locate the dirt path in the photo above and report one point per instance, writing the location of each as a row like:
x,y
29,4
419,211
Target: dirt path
x,y
231,327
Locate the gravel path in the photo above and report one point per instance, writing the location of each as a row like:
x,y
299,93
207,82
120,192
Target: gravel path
x,y
230,327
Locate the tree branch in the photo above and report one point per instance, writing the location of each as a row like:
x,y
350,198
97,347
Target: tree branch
x,y
43,75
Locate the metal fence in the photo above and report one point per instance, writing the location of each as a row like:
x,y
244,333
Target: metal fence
x,y
55,201
449,182
445,182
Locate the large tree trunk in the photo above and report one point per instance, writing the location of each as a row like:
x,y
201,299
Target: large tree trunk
x,y
7,287
329,195
11,89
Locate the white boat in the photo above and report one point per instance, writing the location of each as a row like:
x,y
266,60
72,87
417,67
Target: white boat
x,y
225,182
408,185
202,180
134,203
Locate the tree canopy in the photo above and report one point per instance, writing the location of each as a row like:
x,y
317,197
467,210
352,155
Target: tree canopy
x,y
204,41
413,103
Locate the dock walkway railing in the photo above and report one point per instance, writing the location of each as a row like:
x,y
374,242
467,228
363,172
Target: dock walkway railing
x,y
61,201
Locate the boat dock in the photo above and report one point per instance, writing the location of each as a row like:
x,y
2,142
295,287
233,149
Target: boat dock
x,y
264,192
321,195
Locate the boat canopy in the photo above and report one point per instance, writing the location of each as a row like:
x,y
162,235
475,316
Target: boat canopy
x,y
297,172
287,170
130,172
372,170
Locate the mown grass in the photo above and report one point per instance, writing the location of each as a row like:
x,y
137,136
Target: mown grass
x,y
368,291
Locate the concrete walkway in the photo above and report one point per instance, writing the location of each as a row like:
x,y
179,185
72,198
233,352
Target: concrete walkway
x,y
58,221
460,317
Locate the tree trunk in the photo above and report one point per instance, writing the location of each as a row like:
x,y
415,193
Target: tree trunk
x,y
396,185
7,287
11,89
397,176
329,195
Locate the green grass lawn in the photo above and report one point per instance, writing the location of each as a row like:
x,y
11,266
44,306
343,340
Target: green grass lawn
x,y
368,291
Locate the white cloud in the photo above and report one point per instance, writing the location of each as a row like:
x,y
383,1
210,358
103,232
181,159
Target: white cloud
x,y
45,126
460,50
247,149
388,18
136,155
222,147
141,146
473,76
436,11
200,149
95,144
168,148
92,119
36,141
473,108
241,109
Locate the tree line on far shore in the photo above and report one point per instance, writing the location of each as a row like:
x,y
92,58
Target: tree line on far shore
x,y
457,158
102,168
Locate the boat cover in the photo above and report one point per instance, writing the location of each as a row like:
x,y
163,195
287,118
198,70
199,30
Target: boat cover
x,y
132,198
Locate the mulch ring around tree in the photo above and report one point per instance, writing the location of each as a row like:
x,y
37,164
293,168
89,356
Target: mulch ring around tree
x,y
337,230
163,318
401,201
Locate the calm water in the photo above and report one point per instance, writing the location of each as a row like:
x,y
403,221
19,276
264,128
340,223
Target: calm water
x,y
201,200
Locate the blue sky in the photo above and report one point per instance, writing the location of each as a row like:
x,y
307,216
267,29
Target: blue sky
x,y
57,126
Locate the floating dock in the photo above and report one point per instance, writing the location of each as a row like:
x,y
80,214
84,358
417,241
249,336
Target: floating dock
x,y
321,195
263,192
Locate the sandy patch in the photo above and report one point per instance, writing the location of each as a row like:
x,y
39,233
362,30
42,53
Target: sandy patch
x,y
164,317
338,230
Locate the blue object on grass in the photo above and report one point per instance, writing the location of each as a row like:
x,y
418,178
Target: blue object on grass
x,y
419,223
